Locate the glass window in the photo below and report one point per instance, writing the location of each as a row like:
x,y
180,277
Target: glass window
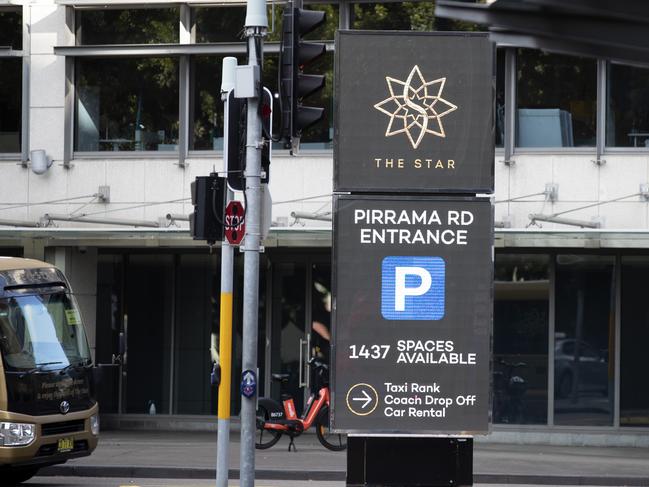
x,y
320,314
149,301
270,79
288,327
42,331
206,132
500,97
394,16
132,26
584,340
11,28
634,384
172,323
550,110
11,70
109,324
220,24
627,123
126,104
196,330
520,341
418,16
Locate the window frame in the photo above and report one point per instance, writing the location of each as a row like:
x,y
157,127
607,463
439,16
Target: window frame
x,y
552,254
511,73
605,87
23,53
599,150
184,49
187,46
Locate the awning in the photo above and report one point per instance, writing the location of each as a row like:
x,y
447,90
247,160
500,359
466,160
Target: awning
x,y
611,30
320,236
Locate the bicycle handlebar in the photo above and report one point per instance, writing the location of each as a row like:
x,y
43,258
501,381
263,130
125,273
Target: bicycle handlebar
x,y
317,363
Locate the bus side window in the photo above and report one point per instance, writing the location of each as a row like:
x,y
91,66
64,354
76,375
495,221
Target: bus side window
x,y
8,340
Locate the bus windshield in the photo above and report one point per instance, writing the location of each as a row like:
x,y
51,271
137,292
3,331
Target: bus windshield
x,y
42,332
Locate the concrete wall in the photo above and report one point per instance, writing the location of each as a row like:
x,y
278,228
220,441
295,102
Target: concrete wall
x,y
580,182
143,189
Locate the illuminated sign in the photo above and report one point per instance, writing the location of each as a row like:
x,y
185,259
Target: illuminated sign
x,y
414,112
412,317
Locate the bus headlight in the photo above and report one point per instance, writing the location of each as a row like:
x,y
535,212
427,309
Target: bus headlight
x,y
94,424
16,434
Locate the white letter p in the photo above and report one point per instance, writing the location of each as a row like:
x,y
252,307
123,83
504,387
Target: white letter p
x,y
401,290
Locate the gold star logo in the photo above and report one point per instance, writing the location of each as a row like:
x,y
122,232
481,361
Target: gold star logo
x,y
415,107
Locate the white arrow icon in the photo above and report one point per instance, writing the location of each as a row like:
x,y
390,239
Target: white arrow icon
x,y
366,395
367,399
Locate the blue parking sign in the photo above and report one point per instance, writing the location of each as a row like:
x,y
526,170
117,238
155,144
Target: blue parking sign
x,y
413,288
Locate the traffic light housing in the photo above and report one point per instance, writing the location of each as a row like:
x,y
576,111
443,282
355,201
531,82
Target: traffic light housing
x,y
295,85
208,197
235,132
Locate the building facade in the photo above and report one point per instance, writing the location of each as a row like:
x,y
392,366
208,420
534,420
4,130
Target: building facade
x,y
108,110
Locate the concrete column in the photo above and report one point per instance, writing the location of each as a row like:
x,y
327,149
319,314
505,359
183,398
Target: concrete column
x,y
33,248
79,264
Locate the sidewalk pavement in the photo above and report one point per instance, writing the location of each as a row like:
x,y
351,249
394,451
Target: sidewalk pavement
x,y
187,455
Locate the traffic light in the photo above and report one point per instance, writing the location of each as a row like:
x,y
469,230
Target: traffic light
x,y
208,197
235,132
294,84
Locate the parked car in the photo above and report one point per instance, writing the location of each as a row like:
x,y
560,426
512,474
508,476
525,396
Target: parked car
x,y
578,360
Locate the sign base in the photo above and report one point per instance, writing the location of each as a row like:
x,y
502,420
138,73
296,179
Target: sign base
x,y
409,461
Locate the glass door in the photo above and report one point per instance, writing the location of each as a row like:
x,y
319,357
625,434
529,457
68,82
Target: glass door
x,y
289,337
300,323
147,325
320,333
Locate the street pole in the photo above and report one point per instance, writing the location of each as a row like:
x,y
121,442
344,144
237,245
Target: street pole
x,y
225,322
256,26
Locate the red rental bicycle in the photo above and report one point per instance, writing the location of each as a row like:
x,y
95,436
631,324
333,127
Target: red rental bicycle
x,y
273,420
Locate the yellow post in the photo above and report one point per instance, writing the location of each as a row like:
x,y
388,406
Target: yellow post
x,y
225,356
225,333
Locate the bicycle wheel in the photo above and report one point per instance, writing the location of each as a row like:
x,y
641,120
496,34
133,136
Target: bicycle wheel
x,y
265,438
332,441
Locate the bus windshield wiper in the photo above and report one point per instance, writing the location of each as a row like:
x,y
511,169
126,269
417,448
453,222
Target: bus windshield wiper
x,y
80,363
39,367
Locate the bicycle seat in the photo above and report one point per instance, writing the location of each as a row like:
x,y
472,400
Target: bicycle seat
x,y
280,377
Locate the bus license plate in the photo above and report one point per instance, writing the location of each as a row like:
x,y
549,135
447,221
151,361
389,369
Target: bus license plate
x,y
65,445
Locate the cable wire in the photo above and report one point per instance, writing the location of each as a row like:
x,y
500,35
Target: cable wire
x,y
62,200
597,204
95,198
301,199
521,197
134,207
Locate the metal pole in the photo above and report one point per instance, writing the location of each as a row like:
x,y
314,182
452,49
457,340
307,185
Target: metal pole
x,y
225,322
256,27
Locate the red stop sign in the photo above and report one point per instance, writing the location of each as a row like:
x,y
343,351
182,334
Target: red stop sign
x,y
235,225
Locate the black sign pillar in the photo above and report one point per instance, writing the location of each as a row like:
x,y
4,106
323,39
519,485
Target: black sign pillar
x,y
413,254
